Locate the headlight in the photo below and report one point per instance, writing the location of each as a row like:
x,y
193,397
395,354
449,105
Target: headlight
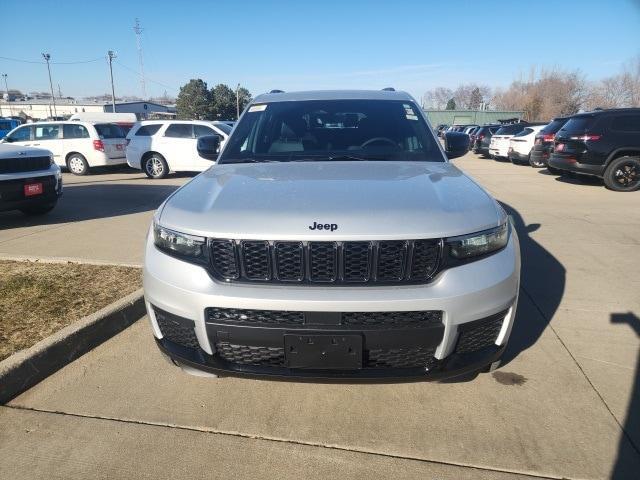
x,y
481,243
187,247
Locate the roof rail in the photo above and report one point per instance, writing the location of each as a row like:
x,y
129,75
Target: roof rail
x,y
276,91
388,89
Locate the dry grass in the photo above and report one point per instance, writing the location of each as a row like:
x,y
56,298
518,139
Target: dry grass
x,y
38,299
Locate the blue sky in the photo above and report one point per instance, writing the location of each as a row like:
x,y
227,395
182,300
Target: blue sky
x,y
297,45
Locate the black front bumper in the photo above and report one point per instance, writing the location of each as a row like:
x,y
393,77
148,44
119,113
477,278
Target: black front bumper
x,y
571,164
12,193
396,353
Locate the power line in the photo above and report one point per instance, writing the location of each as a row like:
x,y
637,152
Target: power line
x,y
146,78
52,63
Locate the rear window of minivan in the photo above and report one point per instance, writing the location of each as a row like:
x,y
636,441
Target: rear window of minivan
x,y
109,130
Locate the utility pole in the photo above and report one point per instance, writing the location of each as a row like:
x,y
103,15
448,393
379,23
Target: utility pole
x,y
238,102
138,31
112,55
6,88
47,57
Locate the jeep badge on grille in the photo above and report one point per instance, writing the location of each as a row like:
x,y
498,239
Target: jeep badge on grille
x,y
323,226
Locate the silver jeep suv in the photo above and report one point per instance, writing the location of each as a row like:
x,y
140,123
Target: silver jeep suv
x,y
332,238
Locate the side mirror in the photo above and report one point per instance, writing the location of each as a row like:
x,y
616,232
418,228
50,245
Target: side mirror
x,y
7,140
456,144
209,146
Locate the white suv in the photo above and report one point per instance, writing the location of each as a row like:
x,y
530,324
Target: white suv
x,y
160,147
521,144
78,146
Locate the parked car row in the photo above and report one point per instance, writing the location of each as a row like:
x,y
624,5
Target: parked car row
x,y
601,143
155,147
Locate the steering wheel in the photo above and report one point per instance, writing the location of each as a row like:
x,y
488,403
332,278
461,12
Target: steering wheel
x,y
379,139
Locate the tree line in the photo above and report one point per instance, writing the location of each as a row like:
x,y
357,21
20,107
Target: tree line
x,y
197,102
545,93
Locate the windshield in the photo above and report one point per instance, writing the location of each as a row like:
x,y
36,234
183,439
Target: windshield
x,y
332,130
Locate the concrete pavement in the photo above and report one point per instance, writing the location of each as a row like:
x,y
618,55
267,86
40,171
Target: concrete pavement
x,y
565,404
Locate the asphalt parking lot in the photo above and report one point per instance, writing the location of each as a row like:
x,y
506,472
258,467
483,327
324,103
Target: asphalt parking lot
x,y
566,403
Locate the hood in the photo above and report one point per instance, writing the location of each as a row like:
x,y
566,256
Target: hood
x,y
8,150
363,200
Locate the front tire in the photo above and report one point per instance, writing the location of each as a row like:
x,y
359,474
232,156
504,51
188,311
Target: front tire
x,y
623,174
77,164
534,163
155,166
38,209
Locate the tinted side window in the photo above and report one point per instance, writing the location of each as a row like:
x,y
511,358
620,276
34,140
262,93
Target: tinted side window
x,y
626,123
74,131
179,130
46,132
148,130
202,130
23,134
109,130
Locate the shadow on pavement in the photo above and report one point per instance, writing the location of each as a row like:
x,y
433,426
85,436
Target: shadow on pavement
x,y
629,448
101,200
542,281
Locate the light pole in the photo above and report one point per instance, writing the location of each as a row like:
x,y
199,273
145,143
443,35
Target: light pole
x,y
238,102
47,57
4,76
6,89
112,55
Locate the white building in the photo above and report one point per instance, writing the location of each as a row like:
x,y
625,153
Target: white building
x,y
42,109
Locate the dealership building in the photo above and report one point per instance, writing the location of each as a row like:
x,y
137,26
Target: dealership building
x,y
42,109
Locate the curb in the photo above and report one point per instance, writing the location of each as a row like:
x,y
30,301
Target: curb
x,y
26,368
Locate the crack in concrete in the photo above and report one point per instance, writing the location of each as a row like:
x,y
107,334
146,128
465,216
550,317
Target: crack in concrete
x,y
575,361
287,441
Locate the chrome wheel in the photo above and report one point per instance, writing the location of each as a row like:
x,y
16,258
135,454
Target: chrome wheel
x,y
154,167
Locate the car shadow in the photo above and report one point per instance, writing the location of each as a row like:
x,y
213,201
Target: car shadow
x,y
96,200
627,462
542,285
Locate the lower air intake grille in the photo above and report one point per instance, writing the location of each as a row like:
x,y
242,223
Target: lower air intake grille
x,y
419,319
401,358
251,355
253,317
474,336
176,329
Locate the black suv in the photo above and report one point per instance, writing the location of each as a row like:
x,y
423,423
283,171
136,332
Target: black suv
x,y
603,143
543,144
482,138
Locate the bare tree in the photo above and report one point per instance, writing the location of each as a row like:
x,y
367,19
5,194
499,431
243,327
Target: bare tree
x,y
621,90
437,98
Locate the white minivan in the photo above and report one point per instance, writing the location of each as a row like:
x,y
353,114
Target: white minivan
x,y
160,147
78,146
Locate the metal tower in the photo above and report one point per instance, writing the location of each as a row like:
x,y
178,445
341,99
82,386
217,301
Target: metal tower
x,y
138,30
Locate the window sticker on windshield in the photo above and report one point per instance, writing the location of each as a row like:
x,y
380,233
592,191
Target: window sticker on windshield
x,y
409,113
258,108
